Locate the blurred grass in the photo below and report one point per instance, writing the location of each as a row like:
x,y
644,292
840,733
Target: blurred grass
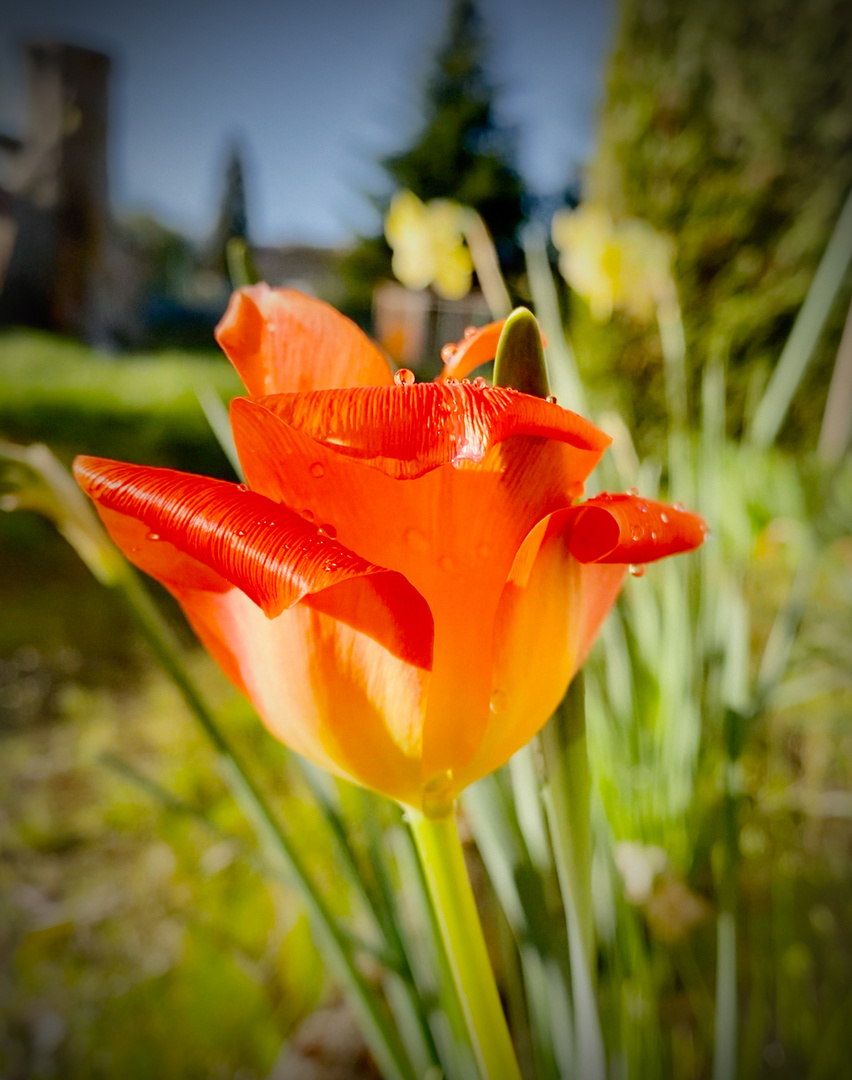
x,y
122,922
142,407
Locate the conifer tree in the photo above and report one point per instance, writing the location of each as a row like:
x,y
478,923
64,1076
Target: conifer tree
x,y
232,220
461,152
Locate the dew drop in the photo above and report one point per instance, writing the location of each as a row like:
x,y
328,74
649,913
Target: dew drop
x,y
636,534
328,530
498,702
469,331
653,534
404,377
664,517
479,382
317,470
152,536
636,570
679,507
465,382
436,794
450,381
448,352
551,399
243,487
308,515
417,540
633,491
643,509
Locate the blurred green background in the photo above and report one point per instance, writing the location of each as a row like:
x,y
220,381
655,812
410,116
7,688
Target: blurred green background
x,y
132,903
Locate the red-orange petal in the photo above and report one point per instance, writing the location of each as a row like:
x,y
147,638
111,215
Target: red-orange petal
x,y
628,529
475,349
281,341
195,533
407,431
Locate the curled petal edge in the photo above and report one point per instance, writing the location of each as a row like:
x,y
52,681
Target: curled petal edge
x,y
631,530
477,348
280,341
407,431
245,540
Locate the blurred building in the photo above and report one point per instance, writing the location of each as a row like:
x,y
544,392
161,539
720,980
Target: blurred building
x,y
61,267
413,325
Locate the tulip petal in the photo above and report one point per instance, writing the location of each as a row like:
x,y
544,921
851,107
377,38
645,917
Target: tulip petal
x,y
408,430
452,532
474,349
329,692
281,341
629,529
549,615
197,534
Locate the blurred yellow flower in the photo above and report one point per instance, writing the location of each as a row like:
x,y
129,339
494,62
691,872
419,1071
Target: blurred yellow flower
x,y
625,265
428,245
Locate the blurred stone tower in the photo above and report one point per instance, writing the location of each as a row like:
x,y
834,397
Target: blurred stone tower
x,y
56,193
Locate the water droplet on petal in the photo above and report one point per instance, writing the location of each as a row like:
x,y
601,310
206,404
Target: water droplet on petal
x,y
634,491
243,487
152,536
636,570
479,382
664,517
317,470
679,507
636,534
308,515
450,381
498,702
436,793
551,399
417,540
643,509
404,377
653,534
448,352
328,530
469,331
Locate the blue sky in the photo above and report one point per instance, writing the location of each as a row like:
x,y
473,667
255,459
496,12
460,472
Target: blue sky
x,y
316,91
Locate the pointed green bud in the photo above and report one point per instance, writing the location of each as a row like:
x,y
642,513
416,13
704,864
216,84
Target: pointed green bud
x,y
520,357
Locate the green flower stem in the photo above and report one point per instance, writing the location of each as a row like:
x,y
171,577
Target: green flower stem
x,y
443,863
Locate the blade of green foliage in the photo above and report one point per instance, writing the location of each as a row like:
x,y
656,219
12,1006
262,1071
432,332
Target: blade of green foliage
x,y
58,501
800,345
561,362
220,425
567,801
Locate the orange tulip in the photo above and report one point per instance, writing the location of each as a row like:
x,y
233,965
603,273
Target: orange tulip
x,y
405,586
